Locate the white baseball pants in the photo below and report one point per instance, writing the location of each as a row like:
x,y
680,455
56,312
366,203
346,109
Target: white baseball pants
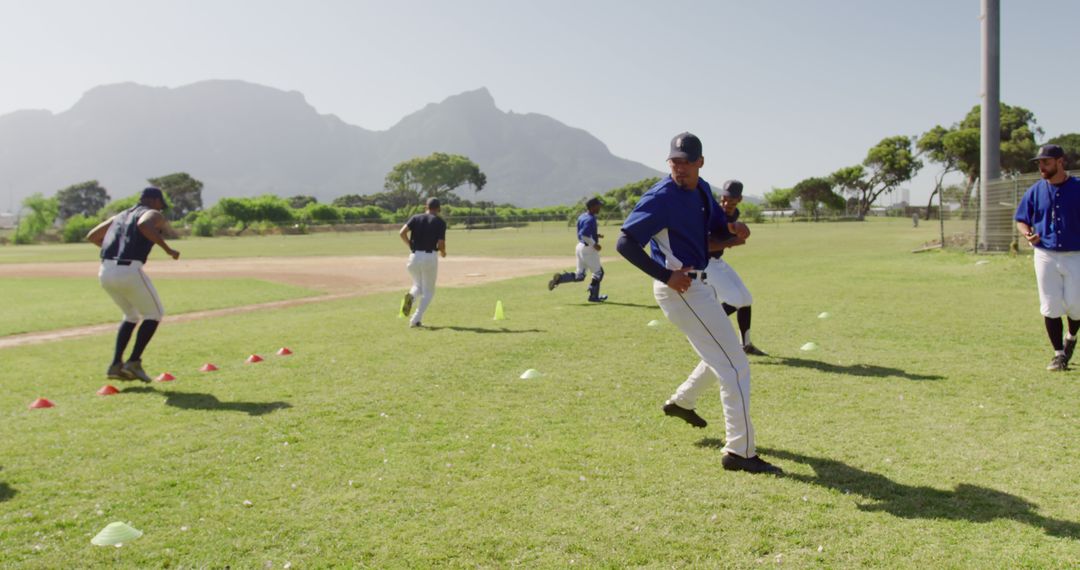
x,y
1058,276
131,290
727,283
424,268
699,315
587,258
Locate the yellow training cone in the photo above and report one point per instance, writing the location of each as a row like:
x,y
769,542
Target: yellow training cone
x,y
401,312
499,314
115,534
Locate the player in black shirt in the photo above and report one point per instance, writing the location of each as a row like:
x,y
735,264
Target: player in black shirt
x,y
425,234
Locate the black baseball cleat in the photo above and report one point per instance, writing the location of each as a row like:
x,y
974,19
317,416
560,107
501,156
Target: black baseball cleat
x,y
755,464
752,350
1070,346
1058,364
406,305
117,372
554,282
688,416
416,325
135,369
599,299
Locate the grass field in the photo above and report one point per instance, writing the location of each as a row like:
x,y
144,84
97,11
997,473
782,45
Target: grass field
x,y
923,431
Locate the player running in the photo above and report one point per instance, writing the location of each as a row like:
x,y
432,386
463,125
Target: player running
x,y
424,234
125,241
675,217
588,254
729,286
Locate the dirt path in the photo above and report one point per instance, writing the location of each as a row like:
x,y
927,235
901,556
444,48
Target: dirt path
x,y
339,277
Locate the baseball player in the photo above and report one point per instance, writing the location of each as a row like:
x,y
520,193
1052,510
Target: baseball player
x,y
729,286
125,241
588,254
676,217
1049,217
424,234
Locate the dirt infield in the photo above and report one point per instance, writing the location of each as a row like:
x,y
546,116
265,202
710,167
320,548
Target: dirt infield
x,y
339,277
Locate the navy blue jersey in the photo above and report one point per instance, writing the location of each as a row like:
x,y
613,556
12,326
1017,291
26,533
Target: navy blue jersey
x,y
722,234
425,231
676,223
1053,212
123,240
586,228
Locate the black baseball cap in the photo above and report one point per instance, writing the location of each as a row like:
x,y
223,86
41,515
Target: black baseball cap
x,y
594,202
685,145
732,189
433,203
1050,151
152,192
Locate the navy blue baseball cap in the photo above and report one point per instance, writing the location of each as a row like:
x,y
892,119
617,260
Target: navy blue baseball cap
x,y
1050,151
685,145
732,189
152,192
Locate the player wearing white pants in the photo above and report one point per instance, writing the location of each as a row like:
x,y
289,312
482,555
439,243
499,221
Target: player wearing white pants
x,y
424,268
587,253
676,217
125,241
425,235
1048,216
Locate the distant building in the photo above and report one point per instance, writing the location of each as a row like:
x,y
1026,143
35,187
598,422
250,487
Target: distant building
x,y
8,220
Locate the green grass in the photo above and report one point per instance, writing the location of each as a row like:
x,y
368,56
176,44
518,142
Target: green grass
x,y
923,432
40,304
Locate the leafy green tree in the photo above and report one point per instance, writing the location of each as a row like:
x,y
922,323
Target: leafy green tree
x,y
624,198
299,201
780,198
815,193
1070,143
84,198
247,211
39,214
434,176
322,213
183,191
76,227
946,147
888,164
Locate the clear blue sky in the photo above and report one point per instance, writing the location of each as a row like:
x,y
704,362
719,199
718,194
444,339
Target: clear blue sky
x,y
777,90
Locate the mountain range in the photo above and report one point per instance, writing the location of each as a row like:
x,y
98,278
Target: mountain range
x,y
243,139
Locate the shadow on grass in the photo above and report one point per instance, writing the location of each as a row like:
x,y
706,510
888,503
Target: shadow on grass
x,y
480,330
849,369
6,492
617,304
209,402
966,502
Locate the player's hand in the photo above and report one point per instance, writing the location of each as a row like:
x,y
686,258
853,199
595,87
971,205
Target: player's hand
x,y
600,236
442,253
1033,238
597,247
174,254
741,230
679,281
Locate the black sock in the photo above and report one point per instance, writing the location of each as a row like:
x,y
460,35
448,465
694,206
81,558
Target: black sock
x,y
122,337
1054,329
728,309
744,321
1074,327
594,289
146,332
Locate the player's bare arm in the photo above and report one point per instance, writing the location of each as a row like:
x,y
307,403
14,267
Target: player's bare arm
x,y
404,235
150,226
441,246
97,235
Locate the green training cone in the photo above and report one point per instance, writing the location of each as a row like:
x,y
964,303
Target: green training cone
x,y
401,312
808,346
499,314
116,534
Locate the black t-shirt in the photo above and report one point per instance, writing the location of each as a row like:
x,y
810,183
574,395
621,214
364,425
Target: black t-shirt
x,y
124,240
425,231
731,220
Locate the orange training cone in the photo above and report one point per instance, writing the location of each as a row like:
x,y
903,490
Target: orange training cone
x,y
107,390
165,377
254,358
41,403
208,367
283,351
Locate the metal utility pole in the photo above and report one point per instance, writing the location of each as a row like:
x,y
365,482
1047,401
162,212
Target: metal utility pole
x,y
990,124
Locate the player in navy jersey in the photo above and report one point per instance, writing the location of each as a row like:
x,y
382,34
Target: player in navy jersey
x,y
729,286
125,241
588,253
1048,216
675,217
425,235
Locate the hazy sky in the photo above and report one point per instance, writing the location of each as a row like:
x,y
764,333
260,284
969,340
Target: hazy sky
x,y
778,90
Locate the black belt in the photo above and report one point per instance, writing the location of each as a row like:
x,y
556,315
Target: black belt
x,y
423,251
118,261
695,274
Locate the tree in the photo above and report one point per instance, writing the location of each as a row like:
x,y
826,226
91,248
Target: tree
x,y
391,201
299,201
183,191
780,198
434,176
247,211
816,192
947,147
40,213
888,164
1070,143
85,198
